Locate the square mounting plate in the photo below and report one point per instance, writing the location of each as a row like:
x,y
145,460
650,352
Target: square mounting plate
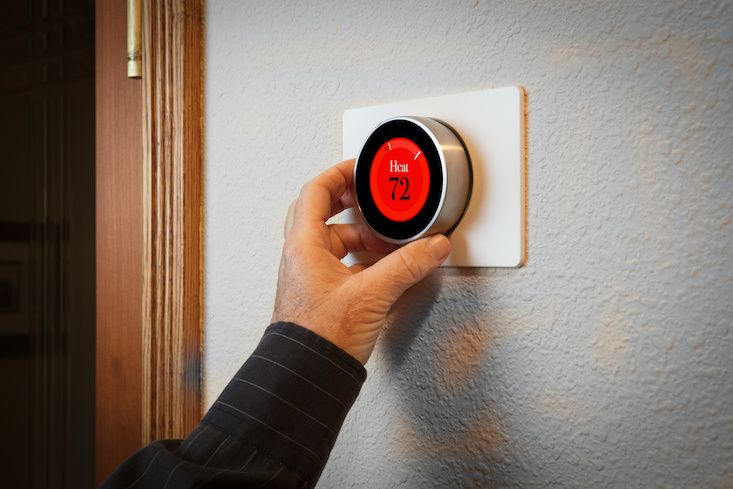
x,y
491,124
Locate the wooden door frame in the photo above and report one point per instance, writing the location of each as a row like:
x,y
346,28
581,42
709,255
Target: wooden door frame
x,y
172,207
149,165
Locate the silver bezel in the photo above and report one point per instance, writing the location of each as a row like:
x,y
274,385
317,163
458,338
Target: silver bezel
x,y
457,168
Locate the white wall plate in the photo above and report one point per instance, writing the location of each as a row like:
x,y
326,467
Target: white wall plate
x,y
492,126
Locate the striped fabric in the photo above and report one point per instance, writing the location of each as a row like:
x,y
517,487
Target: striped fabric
x,y
273,426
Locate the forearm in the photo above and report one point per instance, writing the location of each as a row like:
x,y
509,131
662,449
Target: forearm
x,y
273,425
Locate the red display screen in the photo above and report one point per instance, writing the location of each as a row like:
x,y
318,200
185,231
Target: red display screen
x,y
399,179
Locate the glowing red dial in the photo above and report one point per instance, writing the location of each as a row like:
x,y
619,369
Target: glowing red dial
x,y
399,179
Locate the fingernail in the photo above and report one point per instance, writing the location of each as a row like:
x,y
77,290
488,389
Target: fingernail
x,y
439,247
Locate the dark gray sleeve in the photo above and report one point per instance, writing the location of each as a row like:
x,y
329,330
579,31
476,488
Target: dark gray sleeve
x,y
273,426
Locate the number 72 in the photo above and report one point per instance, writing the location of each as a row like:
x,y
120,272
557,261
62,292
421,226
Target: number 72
x,y
402,182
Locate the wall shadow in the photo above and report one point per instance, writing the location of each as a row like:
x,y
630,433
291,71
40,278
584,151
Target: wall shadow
x,y
438,351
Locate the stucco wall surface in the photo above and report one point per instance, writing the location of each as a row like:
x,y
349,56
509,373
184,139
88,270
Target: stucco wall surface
x,y
607,361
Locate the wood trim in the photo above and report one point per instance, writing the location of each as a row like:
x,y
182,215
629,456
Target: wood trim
x,y
119,227
172,214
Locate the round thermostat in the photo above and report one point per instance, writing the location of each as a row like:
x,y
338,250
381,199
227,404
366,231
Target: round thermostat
x,y
412,179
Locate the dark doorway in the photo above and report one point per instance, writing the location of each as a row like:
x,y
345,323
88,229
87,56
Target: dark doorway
x,y
47,293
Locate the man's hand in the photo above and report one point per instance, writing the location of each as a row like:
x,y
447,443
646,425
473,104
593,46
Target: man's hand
x,y
346,305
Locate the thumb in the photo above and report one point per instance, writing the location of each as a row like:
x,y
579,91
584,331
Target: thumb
x,y
406,266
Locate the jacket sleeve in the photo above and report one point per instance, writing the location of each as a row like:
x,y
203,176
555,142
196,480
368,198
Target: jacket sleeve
x,y
273,426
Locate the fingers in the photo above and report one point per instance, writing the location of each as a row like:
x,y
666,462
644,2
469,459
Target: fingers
x,y
401,269
345,238
346,201
324,192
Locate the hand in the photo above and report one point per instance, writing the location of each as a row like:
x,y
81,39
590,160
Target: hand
x,y
346,305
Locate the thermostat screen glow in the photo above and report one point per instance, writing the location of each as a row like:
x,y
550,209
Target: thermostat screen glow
x,y
399,179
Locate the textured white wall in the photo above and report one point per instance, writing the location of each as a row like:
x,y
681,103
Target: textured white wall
x,y
608,360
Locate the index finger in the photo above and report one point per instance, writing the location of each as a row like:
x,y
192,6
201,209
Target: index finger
x,y
317,196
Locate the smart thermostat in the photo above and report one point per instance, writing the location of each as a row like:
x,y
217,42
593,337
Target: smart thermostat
x,y
412,178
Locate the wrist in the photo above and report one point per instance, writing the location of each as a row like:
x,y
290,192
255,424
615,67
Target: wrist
x,y
325,338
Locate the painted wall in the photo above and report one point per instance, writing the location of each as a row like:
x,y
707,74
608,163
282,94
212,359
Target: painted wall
x,y
608,360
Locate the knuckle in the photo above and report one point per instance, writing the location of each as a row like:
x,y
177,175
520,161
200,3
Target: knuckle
x,y
306,189
289,219
412,267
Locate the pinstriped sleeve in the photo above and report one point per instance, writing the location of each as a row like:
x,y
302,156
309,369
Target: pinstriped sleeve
x,y
290,397
274,425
